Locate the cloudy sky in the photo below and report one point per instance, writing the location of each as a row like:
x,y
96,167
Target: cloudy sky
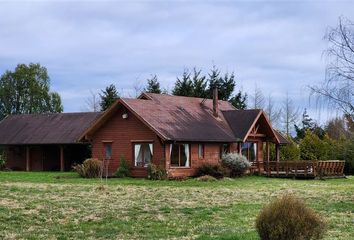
x,y
87,45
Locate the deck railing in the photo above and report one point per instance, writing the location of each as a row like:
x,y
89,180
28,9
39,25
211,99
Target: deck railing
x,y
299,168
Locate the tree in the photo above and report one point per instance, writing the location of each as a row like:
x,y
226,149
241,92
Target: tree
x,y
93,102
338,86
337,128
258,98
153,85
312,147
308,124
239,101
272,111
108,97
289,115
225,85
195,84
199,84
184,85
26,90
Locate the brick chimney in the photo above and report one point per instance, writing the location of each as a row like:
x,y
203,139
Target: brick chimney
x,y
215,102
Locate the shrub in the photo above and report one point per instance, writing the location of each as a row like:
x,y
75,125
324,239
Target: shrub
x,y
215,171
90,168
123,170
312,147
206,178
288,218
156,172
236,164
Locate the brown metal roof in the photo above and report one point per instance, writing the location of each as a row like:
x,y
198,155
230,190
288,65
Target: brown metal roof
x,y
56,128
183,118
282,139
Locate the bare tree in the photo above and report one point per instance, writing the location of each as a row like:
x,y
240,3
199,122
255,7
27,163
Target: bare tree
x,y
137,87
257,98
272,111
289,114
93,102
338,87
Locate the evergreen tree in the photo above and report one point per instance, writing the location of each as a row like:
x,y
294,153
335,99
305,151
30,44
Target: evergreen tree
x,y
199,84
308,124
26,90
239,101
153,85
184,85
108,97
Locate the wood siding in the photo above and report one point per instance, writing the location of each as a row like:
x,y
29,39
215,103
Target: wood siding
x,y
122,133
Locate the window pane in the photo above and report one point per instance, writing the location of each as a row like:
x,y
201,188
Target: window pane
x,y
253,152
184,155
201,150
147,154
108,151
174,155
138,155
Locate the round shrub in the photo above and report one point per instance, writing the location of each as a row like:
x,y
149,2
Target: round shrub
x,y
90,168
215,171
236,164
287,218
156,172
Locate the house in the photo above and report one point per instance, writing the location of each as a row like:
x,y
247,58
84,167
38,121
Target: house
x,y
178,133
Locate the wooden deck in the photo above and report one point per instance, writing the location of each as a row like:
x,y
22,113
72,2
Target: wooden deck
x,y
300,169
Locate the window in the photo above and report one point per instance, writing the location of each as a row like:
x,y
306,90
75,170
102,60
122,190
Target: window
x,y
179,155
143,154
249,150
201,150
108,151
224,149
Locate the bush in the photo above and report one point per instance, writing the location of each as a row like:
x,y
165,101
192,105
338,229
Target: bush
x,y
123,170
312,147
90,168
287,218
236,164
156,172
215,171
206,178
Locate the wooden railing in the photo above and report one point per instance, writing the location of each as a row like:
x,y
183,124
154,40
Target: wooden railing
x,y
299,168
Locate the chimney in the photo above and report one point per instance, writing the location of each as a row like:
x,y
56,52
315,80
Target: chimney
x,y
215,102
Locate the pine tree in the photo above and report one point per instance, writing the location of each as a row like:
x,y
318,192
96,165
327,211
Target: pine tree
x,y
239,101
184,85
199,84
108,97
153,85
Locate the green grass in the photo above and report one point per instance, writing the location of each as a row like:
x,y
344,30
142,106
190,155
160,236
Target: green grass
x,y
64,206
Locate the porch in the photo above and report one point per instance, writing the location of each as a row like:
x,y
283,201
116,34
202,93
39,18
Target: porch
x,y
299,169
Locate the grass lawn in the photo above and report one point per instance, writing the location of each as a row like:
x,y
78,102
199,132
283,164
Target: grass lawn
x,y
63,206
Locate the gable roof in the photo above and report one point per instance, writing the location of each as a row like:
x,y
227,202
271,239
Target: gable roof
x,y
241,121
54,128
176,118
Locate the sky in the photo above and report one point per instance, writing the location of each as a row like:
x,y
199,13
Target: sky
x,y
87,45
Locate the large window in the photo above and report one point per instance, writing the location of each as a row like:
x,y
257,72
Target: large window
x,y
249,150
108,151
179,155
142,154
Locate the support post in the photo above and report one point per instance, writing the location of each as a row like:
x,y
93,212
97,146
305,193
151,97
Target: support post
x,y
62,163
239,147
28,159
267,151
277,152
